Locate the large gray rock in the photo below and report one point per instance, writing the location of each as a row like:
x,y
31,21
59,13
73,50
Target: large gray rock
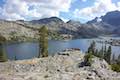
x,y
99,63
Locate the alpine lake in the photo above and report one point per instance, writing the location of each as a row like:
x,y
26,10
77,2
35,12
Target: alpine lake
x,y
28,50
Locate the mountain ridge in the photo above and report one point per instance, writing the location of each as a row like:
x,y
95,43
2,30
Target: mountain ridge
x,y
93,28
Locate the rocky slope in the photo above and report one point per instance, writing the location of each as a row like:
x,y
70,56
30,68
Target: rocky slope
x,y
15,30
62,66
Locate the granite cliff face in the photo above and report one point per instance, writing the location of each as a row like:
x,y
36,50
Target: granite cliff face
x,y
62,66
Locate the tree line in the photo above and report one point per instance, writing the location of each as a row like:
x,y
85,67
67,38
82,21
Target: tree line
x,y
103,53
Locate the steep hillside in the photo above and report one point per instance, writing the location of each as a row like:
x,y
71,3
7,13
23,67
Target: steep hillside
x,y
14,30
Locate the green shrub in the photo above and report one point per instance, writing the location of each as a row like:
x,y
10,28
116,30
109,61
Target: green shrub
x,y
88,59
115,67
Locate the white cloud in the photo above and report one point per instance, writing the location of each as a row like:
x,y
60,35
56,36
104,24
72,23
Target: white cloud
x,y
100,7
118,4
33,9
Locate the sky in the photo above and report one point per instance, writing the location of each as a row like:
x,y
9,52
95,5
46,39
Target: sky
x,y
80,10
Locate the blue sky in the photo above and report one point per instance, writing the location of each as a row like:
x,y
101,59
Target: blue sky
x,y
1,2
81,10
77,4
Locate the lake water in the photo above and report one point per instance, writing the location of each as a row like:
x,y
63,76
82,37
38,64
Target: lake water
x,y
82,44
29,50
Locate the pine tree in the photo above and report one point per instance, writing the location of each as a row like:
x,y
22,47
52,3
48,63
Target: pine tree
x,y
97,52
101,53
105,49
15,57
118,59
107,55
88,59
92,49
3,56
43,42
113,57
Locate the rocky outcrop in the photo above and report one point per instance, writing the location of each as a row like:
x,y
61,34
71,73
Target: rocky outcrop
x,y
16,31
62,66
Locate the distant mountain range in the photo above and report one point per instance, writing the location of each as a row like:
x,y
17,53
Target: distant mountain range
x,y
74,28
108,24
